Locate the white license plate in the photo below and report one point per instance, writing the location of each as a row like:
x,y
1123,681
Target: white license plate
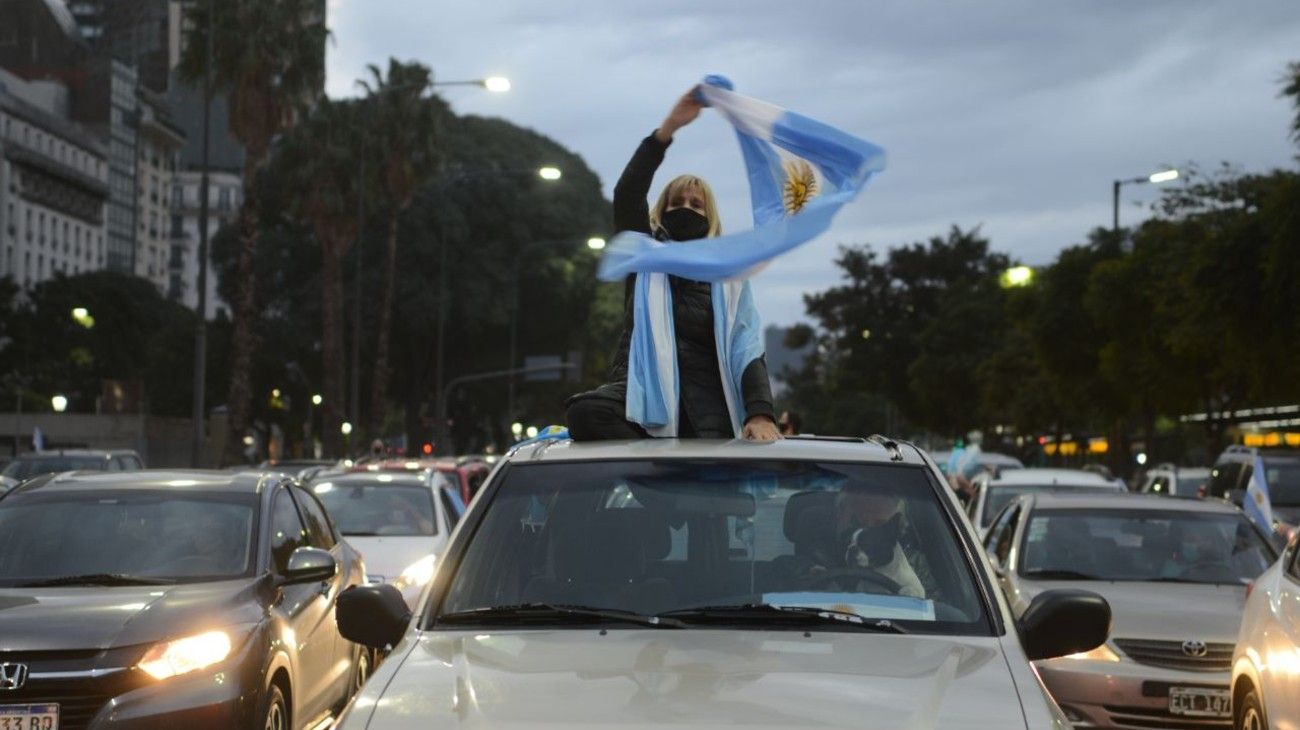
x,y
29,717
1196,702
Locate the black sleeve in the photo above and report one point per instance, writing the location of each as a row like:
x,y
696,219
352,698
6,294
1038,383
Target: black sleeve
x,y
756,389
618,368
631,208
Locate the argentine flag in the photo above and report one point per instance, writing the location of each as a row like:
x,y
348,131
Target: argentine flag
x,y
800,172
1257,505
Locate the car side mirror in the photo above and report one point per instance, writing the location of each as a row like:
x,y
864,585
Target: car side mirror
x,y
375,616
309,565
1064,621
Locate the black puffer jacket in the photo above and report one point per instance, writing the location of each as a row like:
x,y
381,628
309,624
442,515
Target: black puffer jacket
x,y
704,405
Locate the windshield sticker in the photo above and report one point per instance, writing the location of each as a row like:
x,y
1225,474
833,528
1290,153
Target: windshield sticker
x,y
863,604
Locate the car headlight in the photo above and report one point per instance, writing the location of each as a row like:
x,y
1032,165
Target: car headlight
x,y
189,654
417,573
1102,653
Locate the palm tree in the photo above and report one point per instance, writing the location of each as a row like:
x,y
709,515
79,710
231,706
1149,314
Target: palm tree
x,y
268,57
319,159
406,124
1292,89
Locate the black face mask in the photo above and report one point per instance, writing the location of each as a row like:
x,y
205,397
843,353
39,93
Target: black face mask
x,y
684,224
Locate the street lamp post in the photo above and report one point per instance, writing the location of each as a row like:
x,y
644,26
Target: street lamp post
x,y
444,393
1155,177
594,243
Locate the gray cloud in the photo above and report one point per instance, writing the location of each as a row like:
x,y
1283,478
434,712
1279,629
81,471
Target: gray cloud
x,y
1014,116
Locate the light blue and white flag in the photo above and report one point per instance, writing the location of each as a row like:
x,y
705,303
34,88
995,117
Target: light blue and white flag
x,y
801,172
1257,505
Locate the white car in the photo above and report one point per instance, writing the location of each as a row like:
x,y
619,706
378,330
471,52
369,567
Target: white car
x,y
695,583
993,493
399,522
1169,480
1266,664
1175,573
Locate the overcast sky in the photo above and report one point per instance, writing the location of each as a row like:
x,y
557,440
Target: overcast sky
x,y
1013,116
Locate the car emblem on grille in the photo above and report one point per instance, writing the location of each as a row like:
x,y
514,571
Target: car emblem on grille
x,y
12,676
1194,648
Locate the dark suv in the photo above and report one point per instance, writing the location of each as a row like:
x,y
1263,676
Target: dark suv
x,y
1235,466
172,599
36,463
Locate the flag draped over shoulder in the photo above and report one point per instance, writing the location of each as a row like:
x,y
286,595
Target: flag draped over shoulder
x,y
800,172
1257,505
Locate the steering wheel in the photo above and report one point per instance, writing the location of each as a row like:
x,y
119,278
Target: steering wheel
x,y
868,574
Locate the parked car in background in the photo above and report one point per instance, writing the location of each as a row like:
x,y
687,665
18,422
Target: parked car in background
x,y
1171,480
36,463
993,493
466,473
1266,662
989,461
1175,573
704,583
399,522
1235,466
172,599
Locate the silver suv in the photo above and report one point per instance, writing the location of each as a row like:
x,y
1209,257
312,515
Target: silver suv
x,y
701,583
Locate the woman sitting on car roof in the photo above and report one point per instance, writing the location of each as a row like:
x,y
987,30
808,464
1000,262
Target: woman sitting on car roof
x,y
686,210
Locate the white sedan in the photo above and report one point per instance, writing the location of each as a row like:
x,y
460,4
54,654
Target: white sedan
x,y
1266,664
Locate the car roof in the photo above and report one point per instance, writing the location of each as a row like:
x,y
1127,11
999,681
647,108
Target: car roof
x,y
1050,477
371,478
993,457
1145,502
796,448
149,480
55,453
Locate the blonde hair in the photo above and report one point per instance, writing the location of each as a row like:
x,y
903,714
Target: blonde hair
x,y
680,184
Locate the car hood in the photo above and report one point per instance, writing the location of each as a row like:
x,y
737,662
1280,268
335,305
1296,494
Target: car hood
x,y
97,617
1165,611
389,556
699,678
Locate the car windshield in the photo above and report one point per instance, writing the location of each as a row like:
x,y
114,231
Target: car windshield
x,y
145,534
1000,496
649,537
1188,485
378,508
29,467
1143,545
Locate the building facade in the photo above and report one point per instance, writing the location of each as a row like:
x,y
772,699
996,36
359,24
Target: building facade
x,y
53,186
225,195
157,150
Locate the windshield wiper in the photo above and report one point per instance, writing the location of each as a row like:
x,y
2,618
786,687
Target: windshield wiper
x,y
542,611
97,579
796,614
1060,575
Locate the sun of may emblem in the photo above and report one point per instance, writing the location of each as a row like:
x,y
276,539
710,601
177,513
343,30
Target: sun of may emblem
x,y
800,185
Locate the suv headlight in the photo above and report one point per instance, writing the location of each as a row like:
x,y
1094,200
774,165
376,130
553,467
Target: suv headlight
x,y
172,658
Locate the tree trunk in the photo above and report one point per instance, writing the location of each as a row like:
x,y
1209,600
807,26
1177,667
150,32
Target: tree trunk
x,y
244,336
379,387
332,348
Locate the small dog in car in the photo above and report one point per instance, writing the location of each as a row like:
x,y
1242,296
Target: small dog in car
x,y
877,548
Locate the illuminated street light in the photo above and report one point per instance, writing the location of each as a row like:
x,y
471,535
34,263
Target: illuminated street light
x,y
1142,458
1017,276
317,399
81,316
497,84
1155,177
517,428
346,428
1163,176
532,432
550,173
275,393
595,243
60,403
866,334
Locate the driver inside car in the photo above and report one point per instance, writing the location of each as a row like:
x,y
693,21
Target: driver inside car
x,y
864,533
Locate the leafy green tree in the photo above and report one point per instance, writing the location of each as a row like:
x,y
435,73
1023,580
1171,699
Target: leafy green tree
x,y
404,128
268,56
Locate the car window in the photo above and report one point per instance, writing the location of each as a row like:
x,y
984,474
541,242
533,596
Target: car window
x,y
999,524
175,535
368,507
1224,478
452,506
132,463
287,531
1144,545
33,466
652,537
1003,547
319,532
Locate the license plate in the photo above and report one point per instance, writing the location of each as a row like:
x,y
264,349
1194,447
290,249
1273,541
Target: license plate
x,y
29,717
1196,702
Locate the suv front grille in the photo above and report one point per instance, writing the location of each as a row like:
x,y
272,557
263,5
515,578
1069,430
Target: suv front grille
x,y
1170,655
